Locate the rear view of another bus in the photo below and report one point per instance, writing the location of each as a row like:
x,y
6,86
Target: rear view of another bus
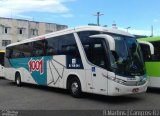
x,y
2,52
152,62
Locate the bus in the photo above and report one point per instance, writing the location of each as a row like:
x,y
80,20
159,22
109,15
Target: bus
x,y
2,52
152,63
147,49
90,59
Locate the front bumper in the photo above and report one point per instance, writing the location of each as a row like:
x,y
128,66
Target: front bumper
x,y
116,89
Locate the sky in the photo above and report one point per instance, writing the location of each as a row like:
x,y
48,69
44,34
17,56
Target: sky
x,y
139,15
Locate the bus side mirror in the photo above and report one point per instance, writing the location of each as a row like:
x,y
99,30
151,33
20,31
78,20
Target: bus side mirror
x,y
108,38
150,46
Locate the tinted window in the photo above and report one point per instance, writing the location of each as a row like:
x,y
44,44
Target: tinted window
x,y
32,49
95,48
27,49
98,52
38,48
62,45
85,39
52,46
68,46
156,51
8,52
16,51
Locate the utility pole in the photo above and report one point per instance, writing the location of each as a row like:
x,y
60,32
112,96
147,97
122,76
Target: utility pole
x,y
98,16
128,28
152,31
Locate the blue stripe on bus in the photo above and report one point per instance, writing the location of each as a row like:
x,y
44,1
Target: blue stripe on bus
x,y
37,66
33,65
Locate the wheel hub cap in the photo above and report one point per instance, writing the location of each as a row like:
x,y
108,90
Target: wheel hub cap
x,y
74,87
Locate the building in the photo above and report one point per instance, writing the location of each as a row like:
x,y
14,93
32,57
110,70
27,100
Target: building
x,y
14,30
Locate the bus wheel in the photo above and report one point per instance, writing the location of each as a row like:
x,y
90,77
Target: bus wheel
x,y
75,88
18,80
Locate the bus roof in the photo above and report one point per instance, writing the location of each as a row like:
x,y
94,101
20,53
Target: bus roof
x,y
72,30
150,39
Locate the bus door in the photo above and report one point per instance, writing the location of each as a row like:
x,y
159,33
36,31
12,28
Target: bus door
x,y
101,45
99,57
95,53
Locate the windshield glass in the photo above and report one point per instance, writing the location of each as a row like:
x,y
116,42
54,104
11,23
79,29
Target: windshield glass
x,y
127,58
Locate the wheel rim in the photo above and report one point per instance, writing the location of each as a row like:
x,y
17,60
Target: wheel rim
x,y
18,81
74,87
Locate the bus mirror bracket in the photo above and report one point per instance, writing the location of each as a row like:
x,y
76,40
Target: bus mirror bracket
x,y
148,44
108,38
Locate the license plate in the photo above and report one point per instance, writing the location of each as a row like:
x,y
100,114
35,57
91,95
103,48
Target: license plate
x,y
135,90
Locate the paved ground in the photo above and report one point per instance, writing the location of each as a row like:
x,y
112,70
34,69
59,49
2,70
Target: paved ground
x,y
32,97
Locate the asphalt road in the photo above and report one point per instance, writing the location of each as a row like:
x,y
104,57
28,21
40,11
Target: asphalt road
x,y
32,97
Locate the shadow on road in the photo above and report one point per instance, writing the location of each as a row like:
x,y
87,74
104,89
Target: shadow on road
x,y
2,78
153,90
114,99
100,98
42,88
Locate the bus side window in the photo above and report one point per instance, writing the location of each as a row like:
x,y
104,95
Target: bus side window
x,y
87,49
38,48
68,46
27,49
95,49
52,46
146,52
50,51
17,51
156,56
98,50
8,52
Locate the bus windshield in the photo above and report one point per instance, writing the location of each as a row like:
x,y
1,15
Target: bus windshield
x,y
127,57
126,60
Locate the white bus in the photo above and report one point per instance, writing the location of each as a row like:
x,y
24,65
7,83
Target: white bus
x,y
84,59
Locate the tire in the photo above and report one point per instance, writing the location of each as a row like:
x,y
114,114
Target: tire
x,y
18,80
75,88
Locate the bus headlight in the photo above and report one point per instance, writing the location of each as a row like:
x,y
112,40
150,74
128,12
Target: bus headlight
x,y
117,80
